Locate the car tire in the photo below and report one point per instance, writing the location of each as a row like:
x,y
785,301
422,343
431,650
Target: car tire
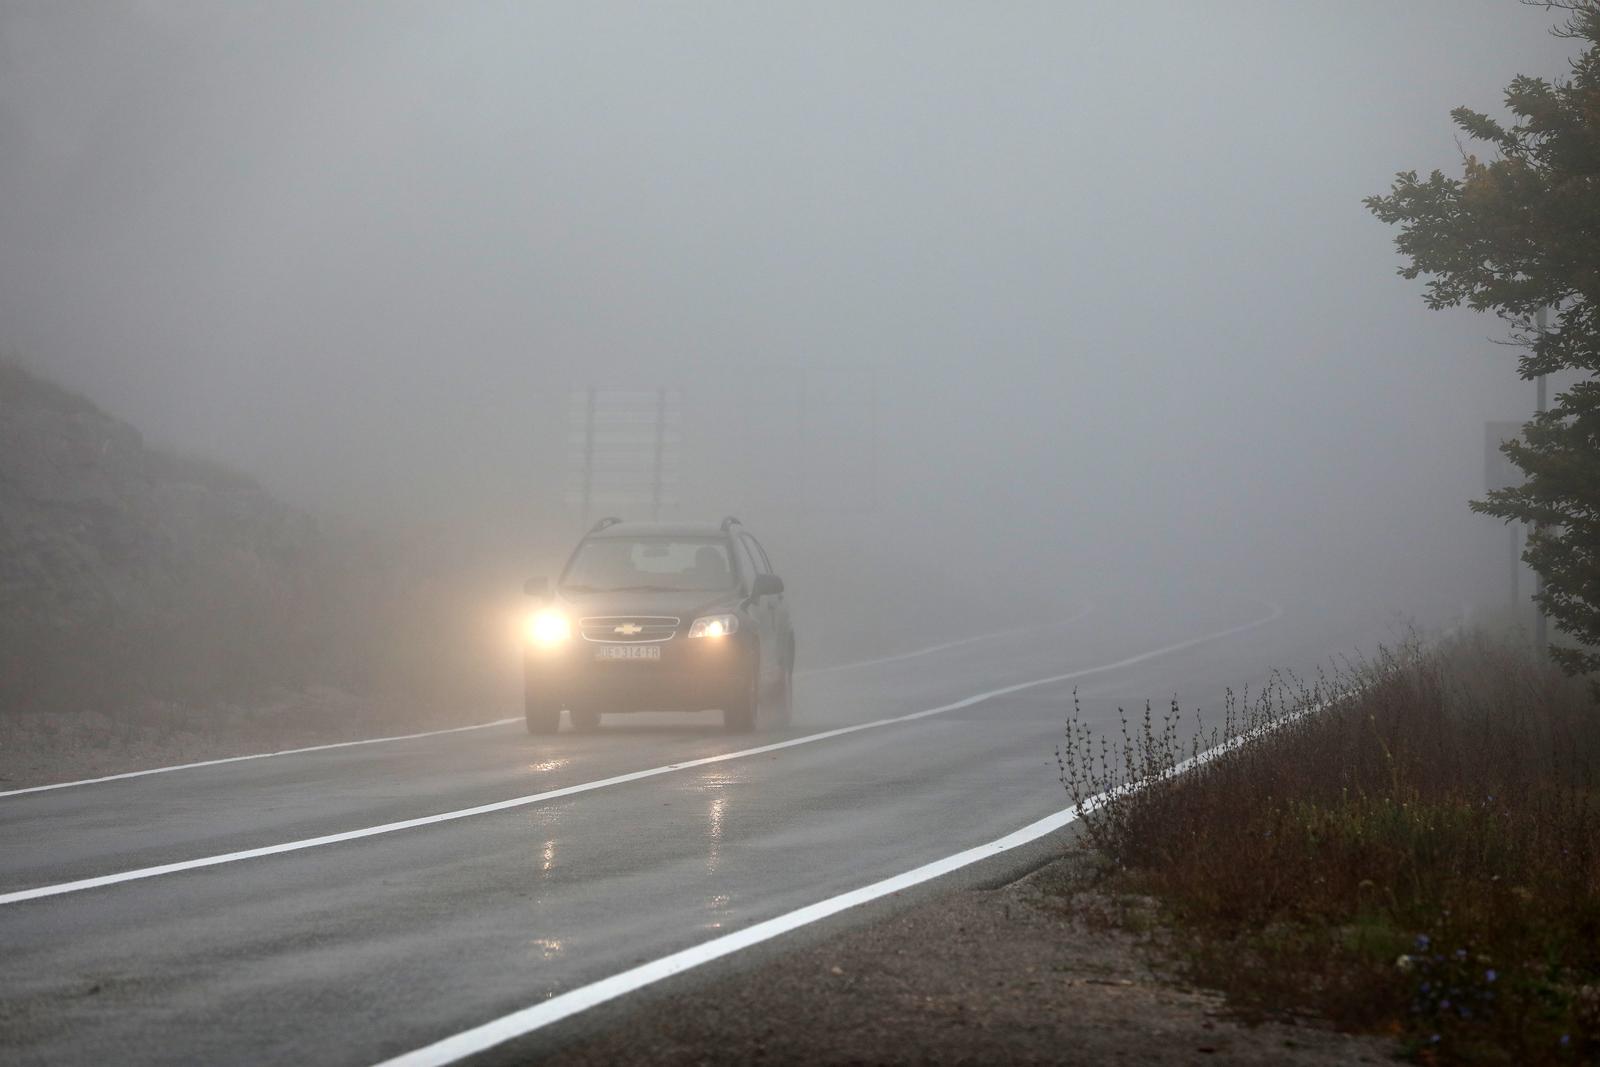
x,y
544,715
585,720
739,717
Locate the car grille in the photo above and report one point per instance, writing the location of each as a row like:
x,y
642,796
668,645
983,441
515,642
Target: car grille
x,y
628,629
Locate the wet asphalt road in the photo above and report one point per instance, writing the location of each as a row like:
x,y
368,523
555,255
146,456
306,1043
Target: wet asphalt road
x,y
356,951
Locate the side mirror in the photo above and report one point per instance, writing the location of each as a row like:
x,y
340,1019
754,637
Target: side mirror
x,y
539,587
767,585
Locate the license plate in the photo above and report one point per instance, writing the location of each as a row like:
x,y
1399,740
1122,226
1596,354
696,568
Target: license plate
x,y
650,652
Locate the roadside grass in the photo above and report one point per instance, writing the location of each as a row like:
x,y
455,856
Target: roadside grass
x,y
1408,846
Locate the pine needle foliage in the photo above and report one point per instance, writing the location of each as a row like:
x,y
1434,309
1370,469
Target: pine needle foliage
x,y
1519,231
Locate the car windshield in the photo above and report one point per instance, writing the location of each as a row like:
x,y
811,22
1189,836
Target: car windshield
x,y
614,564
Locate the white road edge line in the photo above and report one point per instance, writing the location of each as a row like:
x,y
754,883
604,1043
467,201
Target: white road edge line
x,y
81,884
811,671
486,725
537,1016
256,755
518,1023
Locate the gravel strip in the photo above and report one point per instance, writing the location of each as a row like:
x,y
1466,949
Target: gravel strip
x,y
41,749
1020,974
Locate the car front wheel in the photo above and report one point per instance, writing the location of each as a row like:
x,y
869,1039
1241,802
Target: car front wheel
x,y
739,717
543,714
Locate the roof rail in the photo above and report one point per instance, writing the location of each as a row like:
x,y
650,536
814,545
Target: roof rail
x,y
609,520
730,521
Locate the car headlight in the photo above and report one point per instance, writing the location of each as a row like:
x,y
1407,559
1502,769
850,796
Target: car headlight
x,y
548,628
714,626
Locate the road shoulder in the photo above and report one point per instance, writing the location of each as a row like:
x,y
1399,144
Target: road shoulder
x,y
1025,972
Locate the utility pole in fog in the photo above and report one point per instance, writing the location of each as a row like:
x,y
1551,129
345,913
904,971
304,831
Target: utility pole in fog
x,y
802,430
1500,473
1540,642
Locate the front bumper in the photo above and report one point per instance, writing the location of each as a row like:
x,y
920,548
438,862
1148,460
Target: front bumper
x,y
692,675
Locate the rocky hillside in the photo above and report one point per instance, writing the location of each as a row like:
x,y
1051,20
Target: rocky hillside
x,y
126,571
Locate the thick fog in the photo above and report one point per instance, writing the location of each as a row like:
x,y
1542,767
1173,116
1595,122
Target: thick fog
x,y
1063,293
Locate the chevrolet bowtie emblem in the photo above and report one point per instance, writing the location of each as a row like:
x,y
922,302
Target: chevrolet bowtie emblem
x,y
628,628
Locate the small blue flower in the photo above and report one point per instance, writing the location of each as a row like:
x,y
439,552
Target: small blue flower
x,y
1490,975
1444,1005
1434,1040
1422,941
1564,1040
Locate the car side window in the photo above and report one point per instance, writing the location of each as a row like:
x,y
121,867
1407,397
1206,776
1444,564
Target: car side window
x,y
757,553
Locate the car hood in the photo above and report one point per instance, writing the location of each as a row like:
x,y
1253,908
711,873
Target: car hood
x,y
685,605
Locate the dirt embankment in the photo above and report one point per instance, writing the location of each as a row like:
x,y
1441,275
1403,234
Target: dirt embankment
x,y
156,608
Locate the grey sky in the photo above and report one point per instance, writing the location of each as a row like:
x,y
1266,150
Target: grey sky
x,y
1108,260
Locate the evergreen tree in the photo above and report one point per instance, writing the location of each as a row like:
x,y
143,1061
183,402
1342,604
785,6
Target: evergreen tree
x,y
1517,232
